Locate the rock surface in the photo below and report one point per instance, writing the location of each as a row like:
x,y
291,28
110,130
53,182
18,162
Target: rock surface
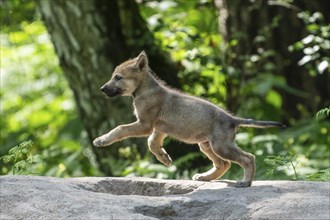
x,y
32,197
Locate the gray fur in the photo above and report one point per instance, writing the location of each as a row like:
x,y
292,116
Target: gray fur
x,y
161,112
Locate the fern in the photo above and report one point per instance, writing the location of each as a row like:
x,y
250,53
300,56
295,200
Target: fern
x,y
21,159
286,160
321,175
323,113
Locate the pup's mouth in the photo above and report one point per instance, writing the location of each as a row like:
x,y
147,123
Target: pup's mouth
x,y
111,92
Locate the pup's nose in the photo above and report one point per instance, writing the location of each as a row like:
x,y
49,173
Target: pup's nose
x,y
103,88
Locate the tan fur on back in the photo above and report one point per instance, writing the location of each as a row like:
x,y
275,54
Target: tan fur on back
x,y
162,111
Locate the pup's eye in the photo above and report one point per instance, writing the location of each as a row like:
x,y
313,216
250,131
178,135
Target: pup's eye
x,y
118,77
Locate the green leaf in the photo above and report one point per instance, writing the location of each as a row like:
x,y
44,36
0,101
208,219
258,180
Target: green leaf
x,y
313,28
7,158
274,98
14,150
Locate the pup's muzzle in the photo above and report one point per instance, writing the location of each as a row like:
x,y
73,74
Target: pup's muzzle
x,y
111,92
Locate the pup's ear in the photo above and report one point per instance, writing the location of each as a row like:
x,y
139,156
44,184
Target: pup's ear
x,y
142,61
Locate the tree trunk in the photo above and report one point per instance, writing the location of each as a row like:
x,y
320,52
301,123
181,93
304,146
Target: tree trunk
x,y
245,20
90,39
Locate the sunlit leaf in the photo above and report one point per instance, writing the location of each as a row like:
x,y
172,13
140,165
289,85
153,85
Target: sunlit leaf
x,y
308,50
304,60
323,66
312,28
308,39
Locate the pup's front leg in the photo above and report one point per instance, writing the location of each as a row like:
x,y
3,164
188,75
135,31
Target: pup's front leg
x,y
135,129
104,140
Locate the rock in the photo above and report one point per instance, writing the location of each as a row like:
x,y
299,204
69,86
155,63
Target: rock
x,y
33,197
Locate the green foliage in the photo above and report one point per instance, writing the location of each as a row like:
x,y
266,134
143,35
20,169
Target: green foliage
x,y
294,153
188,30
316,45
197,48
22,160
37,105
291,162
13,12
278,161
321,175
323,113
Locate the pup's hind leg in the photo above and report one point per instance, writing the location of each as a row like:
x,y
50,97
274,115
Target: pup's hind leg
x,y
226,148
155,142
219,168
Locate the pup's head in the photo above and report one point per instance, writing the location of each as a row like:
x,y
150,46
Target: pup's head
x,y
126,77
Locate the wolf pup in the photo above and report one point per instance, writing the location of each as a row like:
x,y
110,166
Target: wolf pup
x,y
161,112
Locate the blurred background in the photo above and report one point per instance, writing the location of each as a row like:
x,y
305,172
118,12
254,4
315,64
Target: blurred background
x,y
262,59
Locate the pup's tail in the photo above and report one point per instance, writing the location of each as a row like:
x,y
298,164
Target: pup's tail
x,y
241,122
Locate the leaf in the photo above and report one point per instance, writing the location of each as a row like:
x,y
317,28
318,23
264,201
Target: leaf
x,y
14,150
21,164
35,159
274,98
322,66
313,28
264,138
323,113
158,168
263,87
321,175
309,50
305,60
308,39
7,158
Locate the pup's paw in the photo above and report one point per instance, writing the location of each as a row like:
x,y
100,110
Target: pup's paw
x,y
242,184
100,142
168,161
200,177
165,159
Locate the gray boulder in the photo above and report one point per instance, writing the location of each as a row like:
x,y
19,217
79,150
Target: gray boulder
x,y
33,197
